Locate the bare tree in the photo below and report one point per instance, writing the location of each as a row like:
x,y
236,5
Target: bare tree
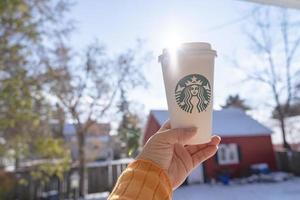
x,y
86,88
274,38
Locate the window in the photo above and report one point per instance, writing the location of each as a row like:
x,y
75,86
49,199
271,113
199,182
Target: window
x,y
228,154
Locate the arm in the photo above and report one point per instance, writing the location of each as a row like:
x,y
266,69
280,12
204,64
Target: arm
x,y
142,180
162,166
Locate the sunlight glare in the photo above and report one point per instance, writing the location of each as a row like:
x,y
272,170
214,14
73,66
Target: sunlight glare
x,y
173,40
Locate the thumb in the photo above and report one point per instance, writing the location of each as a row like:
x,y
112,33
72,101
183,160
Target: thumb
x,y
178,135
165,126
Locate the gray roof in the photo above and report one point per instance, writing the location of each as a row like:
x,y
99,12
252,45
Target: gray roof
x,y
69,129
226,122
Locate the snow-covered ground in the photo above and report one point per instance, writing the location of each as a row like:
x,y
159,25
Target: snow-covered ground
x,y
288,190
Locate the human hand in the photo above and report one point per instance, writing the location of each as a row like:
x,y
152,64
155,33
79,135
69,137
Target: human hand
x,y
167,148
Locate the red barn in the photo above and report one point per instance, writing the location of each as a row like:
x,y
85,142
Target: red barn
x,y
245,142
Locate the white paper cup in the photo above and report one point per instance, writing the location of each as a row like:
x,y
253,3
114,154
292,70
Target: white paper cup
x,y
188,74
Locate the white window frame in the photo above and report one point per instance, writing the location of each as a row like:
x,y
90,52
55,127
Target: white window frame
x,y
228,154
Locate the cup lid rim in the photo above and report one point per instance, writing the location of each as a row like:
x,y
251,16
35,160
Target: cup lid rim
x,y
203,47
196,46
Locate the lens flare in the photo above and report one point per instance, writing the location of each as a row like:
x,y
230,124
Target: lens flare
x,y
172,44
173,41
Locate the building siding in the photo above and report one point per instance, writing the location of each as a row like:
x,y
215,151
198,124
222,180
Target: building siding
x,y
151,128
253,150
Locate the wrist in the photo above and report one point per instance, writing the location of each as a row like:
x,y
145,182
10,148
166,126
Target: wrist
x,y
155,168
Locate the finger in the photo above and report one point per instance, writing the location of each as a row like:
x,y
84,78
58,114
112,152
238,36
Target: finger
x,y
184,157
178,135
165,126
194,148
204,154
215,140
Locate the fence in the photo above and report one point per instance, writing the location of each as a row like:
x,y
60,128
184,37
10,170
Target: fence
x,y
288,161
101,176
108,171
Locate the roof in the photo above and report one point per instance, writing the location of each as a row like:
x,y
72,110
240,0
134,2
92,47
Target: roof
x,y
282,3
69,129
226,122
96,129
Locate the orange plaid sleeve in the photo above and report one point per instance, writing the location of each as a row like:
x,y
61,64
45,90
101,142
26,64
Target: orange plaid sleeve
x,y
142,180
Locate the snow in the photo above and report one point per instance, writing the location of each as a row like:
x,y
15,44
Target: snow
x,y
227,122
96,196
288,190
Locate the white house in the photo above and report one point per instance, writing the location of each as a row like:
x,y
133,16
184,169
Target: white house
x,y
98,141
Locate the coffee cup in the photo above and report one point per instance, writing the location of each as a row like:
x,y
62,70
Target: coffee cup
x,y
188,73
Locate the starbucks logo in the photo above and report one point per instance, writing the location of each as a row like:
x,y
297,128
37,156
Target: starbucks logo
x,y
193,91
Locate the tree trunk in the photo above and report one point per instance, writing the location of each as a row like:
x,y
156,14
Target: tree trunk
x,y
17,166
81,145
283,132
17,159
281,118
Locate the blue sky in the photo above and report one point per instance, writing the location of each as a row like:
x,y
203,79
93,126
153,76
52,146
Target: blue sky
x,y
118,24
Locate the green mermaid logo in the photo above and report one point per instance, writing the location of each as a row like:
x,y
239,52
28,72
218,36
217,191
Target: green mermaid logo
x,y
193,90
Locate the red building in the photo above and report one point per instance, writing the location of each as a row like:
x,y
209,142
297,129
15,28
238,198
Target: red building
x,y
245,142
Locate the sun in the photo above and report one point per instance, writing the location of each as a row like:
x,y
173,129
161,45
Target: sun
x,y
172,36
173,39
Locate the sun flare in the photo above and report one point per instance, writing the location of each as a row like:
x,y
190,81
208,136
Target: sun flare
x,y
173,40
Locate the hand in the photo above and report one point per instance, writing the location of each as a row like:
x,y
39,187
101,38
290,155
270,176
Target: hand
x,y
167,148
